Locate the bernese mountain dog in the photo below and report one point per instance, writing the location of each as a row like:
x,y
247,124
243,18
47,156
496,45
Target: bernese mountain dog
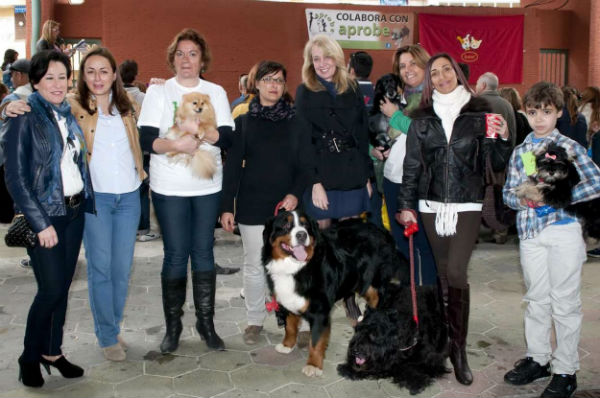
x,y
308,270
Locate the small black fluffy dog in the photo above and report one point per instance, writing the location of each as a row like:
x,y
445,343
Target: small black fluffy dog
x,y
553,185
388,344
386,87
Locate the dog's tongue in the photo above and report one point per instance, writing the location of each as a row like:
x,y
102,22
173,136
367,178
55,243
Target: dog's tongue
x,y
359,361
299,252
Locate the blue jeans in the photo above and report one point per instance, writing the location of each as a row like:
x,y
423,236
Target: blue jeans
x,y
425,267
109,239
53,269
187,224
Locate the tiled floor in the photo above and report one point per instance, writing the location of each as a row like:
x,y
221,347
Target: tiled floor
x,y
495,339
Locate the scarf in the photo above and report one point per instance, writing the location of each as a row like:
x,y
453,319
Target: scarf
x,y
46,111
329,86
282,110
447,107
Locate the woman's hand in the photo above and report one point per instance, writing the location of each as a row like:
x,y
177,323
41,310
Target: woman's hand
x,y
227,222
497,127
369,188
387,107
211,135
406,217
319,196
16,108
376,153
186,144
48,237
289,202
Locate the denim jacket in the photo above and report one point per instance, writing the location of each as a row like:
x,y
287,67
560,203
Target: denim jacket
x,y
33,149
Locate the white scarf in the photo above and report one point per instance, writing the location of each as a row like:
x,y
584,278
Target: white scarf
x,y
448,106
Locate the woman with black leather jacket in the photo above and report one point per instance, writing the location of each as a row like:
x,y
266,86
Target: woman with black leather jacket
x,y
47,176
449,140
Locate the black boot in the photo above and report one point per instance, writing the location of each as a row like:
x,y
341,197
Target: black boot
x,y
173,299
30,374
204,284
458,320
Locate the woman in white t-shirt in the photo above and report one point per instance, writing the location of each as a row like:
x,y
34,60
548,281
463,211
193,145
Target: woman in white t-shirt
x,y
186,206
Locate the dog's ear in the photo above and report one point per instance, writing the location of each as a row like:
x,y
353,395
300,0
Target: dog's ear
x,y
268,231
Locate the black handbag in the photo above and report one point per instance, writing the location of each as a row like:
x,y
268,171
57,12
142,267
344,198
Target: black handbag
x,y
496,215
20,233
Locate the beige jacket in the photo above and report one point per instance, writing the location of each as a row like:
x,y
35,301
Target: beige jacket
x,y
88,124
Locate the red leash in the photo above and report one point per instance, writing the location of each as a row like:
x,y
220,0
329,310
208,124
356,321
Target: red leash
x,y
409,231
273,305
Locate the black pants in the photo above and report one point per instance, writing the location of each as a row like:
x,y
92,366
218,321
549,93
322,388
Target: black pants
x,y
53,269
6,203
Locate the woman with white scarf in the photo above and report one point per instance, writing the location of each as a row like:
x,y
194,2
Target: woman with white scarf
x,y
449,140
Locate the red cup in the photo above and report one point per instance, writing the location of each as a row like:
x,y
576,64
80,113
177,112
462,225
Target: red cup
x,y
491,121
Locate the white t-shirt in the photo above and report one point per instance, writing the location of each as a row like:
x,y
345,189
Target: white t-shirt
x,y
158,110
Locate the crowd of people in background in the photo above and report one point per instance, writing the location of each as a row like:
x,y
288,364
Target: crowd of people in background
x,y
342,147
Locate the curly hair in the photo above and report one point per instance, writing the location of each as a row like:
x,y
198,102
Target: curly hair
x,y
193,36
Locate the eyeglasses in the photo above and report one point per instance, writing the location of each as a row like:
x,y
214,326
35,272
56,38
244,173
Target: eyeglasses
x,y
268,79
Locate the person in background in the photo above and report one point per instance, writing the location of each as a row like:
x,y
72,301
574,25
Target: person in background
x,y
129,71
243,89
10,56
19,71
50,39
487,88
243,107
571,123
4,91
47,176
359,68
514,99
186,206
256,178
449,127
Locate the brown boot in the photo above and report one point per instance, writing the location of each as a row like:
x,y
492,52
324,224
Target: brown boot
x,y
458,321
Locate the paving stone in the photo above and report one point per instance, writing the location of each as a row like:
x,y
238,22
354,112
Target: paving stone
x,y
170,365
115,372
205,383
257,378
356,389
298,390
145,386
224,360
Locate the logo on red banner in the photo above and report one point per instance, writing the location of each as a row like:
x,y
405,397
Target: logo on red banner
x,y
469,43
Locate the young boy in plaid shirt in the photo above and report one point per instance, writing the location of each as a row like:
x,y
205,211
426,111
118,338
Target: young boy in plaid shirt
x,y
552,251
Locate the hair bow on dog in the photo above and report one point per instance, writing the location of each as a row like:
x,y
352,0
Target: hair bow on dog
x,y
548,156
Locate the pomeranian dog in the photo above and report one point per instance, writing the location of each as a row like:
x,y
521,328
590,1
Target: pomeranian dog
x,y
195,109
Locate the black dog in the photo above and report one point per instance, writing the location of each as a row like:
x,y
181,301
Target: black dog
x,y
309,270
553,185
388,344
387,86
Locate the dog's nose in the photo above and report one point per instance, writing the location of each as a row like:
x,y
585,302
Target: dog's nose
x,y
301,236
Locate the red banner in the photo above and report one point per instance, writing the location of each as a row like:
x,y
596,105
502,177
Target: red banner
x,y
486,44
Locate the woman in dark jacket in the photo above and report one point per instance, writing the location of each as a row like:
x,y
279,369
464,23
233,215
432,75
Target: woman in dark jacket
x,y
269,162
47,176
444,170
334,107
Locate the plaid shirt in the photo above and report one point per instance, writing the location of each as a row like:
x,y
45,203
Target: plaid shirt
x,y
529,224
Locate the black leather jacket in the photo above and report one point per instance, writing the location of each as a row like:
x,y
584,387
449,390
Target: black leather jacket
x,y
32,176
449,172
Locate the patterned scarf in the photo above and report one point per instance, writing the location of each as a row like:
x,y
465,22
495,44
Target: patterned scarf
x,y
280,111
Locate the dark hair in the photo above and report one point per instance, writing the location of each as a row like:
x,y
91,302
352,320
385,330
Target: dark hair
x,y
41,61
3,91
10,56
119,95
512,95
466,70
571,102
543,93
426,99
362,63
265,68
128,71
194,36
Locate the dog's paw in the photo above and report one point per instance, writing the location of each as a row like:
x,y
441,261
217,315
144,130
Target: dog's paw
x,y
280,348
312,371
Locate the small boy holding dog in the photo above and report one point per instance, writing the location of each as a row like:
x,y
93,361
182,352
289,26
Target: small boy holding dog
x,y
552,251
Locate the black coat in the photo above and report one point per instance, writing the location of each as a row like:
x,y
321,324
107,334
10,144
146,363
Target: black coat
x,y
267,161
343,118
450,172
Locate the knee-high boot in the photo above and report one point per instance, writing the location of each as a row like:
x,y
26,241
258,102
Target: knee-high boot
x,y
458,320
204,284
173,298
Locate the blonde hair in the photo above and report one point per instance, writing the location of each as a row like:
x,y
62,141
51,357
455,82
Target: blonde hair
x,y
332,49
47,30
